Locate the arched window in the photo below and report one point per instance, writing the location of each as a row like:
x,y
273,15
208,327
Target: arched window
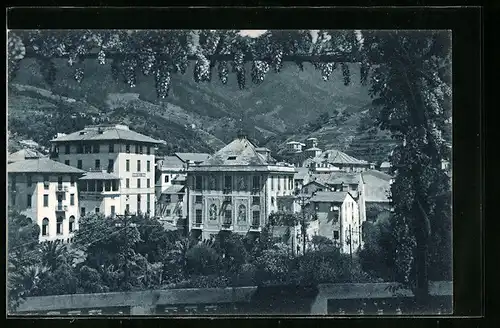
x,y
71,223
45,227
272,200
166,178
213,212
59,226
242,213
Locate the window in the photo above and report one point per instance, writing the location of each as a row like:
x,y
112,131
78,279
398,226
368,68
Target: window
x,y
138,165
127,208
79,164
46,182
213,212
13,199
242,214
82,211
127,148
28,201
231,158
169,212
71,223
97,164
228,217
66,149
279,183
88,149
107,185
67,162
127,165
256,218
148,166
113,210
45,227
198,200
99,185
272,200
139,183
138,203
148,202
242,185
79,149
148,150
167,178
97,210
111,148
168,198
198,217
45,200
127,183
256,183
272,183
335,234
72,199
213,182
255,200
148,183
29,180
198,182
111,164
72,180
59,226
228,183
95,149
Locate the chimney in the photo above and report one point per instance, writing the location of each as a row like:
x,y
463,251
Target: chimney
x,y
264,152
241,134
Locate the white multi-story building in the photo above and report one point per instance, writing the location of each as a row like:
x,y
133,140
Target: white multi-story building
x,y
120,165
338,219
46,192
236,189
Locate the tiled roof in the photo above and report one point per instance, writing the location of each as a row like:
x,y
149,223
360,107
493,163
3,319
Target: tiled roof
x,y
337,177
41,165
337,157
179,178
377,186
174,189
329,196
99,176
302,173
24,154
240,152
117,132
378,174
193,157
171,162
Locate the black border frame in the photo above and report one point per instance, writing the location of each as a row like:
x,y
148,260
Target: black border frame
x,y
468,123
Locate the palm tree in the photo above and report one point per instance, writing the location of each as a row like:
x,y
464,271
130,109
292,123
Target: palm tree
x,y
54,254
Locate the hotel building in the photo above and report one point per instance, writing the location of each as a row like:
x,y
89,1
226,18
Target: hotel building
x,y
120,166
46,192
235,189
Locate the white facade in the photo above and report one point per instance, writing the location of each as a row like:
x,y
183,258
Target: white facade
x,y
339,221
50,200
132,162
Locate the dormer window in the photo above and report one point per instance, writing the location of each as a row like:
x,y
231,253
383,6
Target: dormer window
x,y
231,158
82,133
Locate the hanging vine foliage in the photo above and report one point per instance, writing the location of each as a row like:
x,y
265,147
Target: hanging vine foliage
x,y
166,52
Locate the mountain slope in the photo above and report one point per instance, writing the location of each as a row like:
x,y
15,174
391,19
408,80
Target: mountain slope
x,y
195,116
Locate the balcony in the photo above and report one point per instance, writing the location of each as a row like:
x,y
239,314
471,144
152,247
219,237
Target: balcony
x,y
61,188
61,208
255,227
227,225
197,225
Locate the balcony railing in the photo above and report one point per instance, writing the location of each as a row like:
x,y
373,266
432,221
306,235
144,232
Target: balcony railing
x,y
197,225
227,225
61,208
255,226
61,188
